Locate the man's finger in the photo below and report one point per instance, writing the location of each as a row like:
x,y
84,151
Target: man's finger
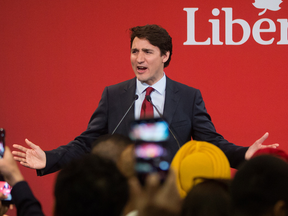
x,y
29,143
20,159
21,148
263,138
20,154
25,164
275,145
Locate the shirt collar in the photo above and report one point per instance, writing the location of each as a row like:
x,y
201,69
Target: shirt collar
x,y
160,86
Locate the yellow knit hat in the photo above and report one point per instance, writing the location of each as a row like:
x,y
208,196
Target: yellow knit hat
x,y
198,159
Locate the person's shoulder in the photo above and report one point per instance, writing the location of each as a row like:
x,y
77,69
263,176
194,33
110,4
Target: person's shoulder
x,y
180,86
125,84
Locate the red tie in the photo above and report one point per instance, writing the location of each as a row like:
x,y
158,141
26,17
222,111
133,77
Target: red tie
x,y
147,107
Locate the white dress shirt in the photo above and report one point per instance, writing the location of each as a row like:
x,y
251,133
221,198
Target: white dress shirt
x,y
157,96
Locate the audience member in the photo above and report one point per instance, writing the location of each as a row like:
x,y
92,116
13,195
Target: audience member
x,y
120,149
260,188
151,200
111,146
126,162
155,199
90,186
210,197
272,151
198,159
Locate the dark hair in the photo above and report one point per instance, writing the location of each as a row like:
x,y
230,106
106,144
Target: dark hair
x,y
156,35
210,197
88,186
258,185
111,146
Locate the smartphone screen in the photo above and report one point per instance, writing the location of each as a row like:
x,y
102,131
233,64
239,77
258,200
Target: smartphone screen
x,y
150,136
1,149
5,188
149,130
2,142
151,158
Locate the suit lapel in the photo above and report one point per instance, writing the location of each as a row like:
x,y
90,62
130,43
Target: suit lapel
x,y
126,98
171,100
127,95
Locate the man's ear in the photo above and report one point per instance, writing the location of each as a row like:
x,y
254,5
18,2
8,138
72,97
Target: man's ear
x,y
166,56
280,208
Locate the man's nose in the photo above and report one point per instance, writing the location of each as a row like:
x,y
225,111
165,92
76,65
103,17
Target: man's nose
x,y
140,57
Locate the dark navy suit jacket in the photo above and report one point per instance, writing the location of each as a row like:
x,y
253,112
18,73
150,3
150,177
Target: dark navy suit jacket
x,y
184,110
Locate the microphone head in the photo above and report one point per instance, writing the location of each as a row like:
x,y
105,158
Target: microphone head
x,y
136,97
148,98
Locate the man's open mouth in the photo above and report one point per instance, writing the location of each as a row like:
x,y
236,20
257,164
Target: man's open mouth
x,y
141,68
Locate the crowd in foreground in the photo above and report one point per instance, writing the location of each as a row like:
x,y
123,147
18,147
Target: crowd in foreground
x,y
199,183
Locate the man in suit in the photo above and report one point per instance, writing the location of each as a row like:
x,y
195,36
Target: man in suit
x,y
181,106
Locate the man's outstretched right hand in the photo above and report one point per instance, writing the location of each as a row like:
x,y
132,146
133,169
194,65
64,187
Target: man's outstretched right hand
x,y
34,158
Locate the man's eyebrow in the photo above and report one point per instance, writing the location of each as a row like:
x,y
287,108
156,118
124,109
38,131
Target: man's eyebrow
x,y
146,49
134,49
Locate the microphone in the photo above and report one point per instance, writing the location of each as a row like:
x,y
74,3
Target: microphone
x,y
134,99
148,98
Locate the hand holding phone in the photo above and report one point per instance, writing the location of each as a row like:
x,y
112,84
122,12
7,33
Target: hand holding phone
x,y
9,170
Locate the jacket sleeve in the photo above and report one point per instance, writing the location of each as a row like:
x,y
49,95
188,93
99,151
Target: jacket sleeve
x,y
98,125
25,202
204,130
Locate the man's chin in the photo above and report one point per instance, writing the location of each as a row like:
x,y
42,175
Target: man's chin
x,y
141,78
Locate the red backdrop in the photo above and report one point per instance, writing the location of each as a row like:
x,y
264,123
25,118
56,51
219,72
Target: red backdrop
x,y
56,57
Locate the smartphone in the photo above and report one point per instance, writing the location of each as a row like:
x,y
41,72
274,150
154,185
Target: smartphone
x,y
5,188
155,130
150,136
2,142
